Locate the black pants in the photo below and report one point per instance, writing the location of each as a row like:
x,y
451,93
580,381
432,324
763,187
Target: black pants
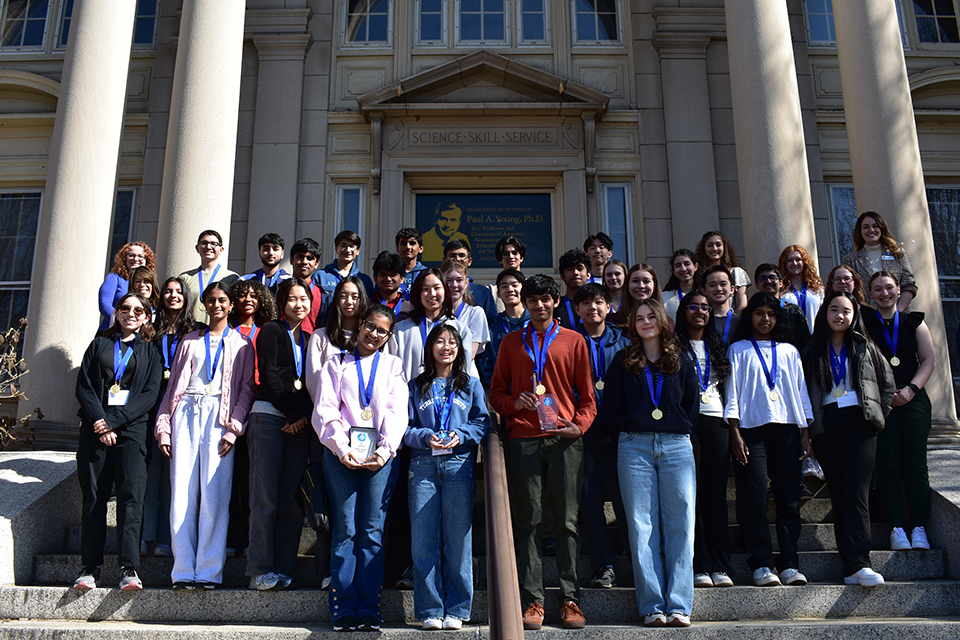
x,y
397,541
773,451
99,469
847,449
600,480
711,450
238,531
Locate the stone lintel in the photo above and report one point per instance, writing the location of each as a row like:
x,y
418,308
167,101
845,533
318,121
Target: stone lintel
x,y
282,46
688,45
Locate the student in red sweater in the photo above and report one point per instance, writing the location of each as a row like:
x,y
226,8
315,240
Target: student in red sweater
x,y
540,373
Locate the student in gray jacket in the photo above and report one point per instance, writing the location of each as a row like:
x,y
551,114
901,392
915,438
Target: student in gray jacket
x,y
851,387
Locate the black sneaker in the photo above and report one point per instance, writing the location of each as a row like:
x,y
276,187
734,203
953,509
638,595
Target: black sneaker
x,y
208,586
345,623
184,585
368,622
405,581
129,580
87,579
604,578
549,547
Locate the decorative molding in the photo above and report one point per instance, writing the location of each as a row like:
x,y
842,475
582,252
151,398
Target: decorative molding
x,y
260,21
682,45
589,149
376,149
279,47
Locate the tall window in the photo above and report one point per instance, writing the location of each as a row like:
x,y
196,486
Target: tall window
x,y
123,218
19,216
368,22
351,208
595,22
618,218
820,28
23,23
534,21
936,21
482,21
144,28
431,26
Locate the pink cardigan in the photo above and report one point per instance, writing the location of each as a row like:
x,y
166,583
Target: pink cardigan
x,y
338,404
237,389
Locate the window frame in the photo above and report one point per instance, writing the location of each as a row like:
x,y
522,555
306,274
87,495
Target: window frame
x,y
942,46
62,17
379,44
905,33
442,42
25,285
43,47
521,42
627,186
460,42
576,42
338,217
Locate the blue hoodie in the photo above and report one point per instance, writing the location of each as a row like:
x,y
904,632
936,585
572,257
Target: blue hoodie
x,y
468,417
500,326
614,339
329,277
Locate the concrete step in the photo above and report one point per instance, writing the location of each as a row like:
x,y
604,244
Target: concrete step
x,y
944,628
615,606
813,511
818,566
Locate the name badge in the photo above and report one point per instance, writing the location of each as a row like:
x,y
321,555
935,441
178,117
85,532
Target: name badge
x,y
849,399
118,399
887,256
363,442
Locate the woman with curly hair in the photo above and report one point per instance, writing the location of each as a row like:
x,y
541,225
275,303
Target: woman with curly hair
x,y
876,250
844,278
713,249
116,285
801,282
653,398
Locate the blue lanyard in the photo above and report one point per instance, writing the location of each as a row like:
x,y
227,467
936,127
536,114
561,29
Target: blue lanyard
x,y
392,305
120,363
892,339
654,395
423,330
273,279
463,305
596,348
574,319
704,375
297,353
538,354
801,296
366,393
216,360
771,380
213,278
838,365
507,329
726,327
403,292
442,401
169,349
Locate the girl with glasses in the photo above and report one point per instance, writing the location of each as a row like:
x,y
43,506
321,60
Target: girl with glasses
x,y
116,284
360,418
117,386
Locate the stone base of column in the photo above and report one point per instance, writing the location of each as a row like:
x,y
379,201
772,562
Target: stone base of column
x,y
51,436
944,432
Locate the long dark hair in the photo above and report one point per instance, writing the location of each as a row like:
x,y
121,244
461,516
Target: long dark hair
x,y
416,290
335,332
283,293
818,365
744,329
184,322
712,340
461,381
149,275
146,330
886,238
266,305
673,282
635,359
729,258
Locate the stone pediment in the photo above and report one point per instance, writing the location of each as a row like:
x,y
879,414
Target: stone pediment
x,y
484,83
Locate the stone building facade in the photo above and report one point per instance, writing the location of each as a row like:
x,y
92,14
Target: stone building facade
x,y
775,121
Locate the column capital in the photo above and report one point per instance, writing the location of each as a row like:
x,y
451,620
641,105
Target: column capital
x,y
681,44
282,46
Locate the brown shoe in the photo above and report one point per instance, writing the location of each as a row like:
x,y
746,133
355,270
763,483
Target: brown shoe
x,y
533,616
571,616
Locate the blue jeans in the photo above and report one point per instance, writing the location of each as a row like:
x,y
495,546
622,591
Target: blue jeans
x,y
658,483
358,508
442,491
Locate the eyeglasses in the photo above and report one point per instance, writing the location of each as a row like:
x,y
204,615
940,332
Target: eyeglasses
x,y
698,307
769,278
380,332
129,309
343,246
842,280
209,243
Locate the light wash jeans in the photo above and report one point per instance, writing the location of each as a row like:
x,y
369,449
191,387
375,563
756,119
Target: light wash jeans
x,y
442,491
658,483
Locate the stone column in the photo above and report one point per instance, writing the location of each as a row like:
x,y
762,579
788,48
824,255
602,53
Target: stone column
x,y
771,157
197,190
73,238
275,167
885,159
689,135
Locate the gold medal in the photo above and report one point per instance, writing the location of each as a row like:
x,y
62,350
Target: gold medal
x,y
166,374
657,414
838,392
705,398
773,395
297,385
366,414
894,361
115,389
541,389
211,389
599,385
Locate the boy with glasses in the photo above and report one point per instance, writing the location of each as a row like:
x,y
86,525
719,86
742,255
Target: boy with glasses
x,y
347,246
209,248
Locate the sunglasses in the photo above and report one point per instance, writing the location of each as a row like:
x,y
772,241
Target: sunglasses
x,y
129,309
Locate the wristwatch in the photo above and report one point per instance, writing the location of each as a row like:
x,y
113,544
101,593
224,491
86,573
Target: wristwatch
x,y
915,388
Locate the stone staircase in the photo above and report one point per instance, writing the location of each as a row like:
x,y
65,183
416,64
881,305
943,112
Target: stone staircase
x,y
918,601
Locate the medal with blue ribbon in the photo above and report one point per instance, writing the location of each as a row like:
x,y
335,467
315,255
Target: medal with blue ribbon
x,y
297,356
366,392
838,367
212,363
654,394
771,377
120,364
892,338
169,349
596,350
703,376
538,354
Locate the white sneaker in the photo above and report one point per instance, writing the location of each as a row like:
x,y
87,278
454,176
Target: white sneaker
x,y
655,620
721,579
432,624
763,577
702,580
898,540
452,624
866,577
264,582
918,539
678,620
793,577
325,583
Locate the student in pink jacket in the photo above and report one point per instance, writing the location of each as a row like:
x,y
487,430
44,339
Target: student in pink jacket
x,y
202,413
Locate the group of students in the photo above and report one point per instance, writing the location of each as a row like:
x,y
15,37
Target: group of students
x,y
614,389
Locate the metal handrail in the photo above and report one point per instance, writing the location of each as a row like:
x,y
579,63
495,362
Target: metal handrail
x,y
503,591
